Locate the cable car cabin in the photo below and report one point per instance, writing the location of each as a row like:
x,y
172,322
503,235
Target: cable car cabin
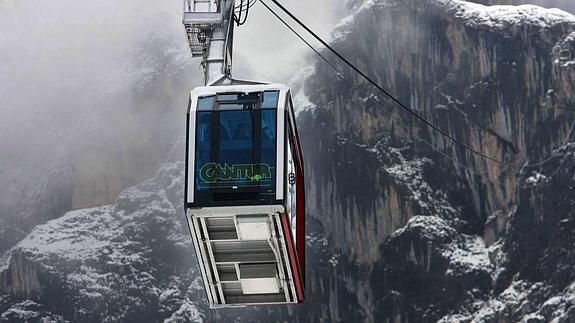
x,y
245,194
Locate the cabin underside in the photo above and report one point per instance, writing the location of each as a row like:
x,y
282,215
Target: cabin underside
x,y
246,254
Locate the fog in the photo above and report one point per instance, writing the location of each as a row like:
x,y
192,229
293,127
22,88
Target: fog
x,y
63,61
267,50
93,94
87,90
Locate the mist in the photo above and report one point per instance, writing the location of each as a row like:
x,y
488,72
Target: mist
x,y
87,94
93,94
266,50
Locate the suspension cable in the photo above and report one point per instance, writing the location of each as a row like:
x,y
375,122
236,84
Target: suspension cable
x,y
380,88
241,11
430,145
339,73
243,7
455,163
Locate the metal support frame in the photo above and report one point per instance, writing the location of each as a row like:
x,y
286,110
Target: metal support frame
x,y
219,227
210,30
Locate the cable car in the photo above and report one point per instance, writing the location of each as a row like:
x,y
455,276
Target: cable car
x,y
245,194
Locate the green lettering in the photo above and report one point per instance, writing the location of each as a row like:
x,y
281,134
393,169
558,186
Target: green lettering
x,y
243,171
265,170
212,172
208,172
228,172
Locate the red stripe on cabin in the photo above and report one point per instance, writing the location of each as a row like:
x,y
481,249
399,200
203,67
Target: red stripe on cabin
x,y
300,201
293,258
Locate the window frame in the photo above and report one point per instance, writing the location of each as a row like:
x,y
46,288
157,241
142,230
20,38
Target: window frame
x,y
204,197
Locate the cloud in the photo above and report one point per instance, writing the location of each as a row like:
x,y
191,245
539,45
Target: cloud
x,y
103,85
270,50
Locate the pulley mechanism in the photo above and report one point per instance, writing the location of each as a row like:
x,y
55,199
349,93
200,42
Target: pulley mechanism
x,y
210,35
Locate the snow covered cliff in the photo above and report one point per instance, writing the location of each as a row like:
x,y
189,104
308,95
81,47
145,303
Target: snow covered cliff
x,y
499,78
404,226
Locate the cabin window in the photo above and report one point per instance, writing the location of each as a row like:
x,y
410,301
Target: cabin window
x,y
235,150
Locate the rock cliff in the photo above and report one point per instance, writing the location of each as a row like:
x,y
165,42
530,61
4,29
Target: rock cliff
x,y
499,79
404,225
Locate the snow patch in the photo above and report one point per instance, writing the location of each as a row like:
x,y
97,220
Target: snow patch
x,y
469,255
75,236
429,227
188,312
410,174
300,99
497,17
506,16
536,179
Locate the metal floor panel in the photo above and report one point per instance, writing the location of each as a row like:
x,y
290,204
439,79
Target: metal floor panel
x,y
243,255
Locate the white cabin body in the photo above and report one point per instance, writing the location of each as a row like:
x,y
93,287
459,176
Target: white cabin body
x,y
245,194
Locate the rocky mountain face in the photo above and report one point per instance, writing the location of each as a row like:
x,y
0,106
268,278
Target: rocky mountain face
x,y
459,231
102,114
404,225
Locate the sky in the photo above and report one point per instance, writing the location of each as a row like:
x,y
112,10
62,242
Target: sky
x,y
68,67
75,74
58,47
268,48
58,57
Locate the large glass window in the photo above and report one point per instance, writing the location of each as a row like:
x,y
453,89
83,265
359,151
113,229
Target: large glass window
x,y
236,148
